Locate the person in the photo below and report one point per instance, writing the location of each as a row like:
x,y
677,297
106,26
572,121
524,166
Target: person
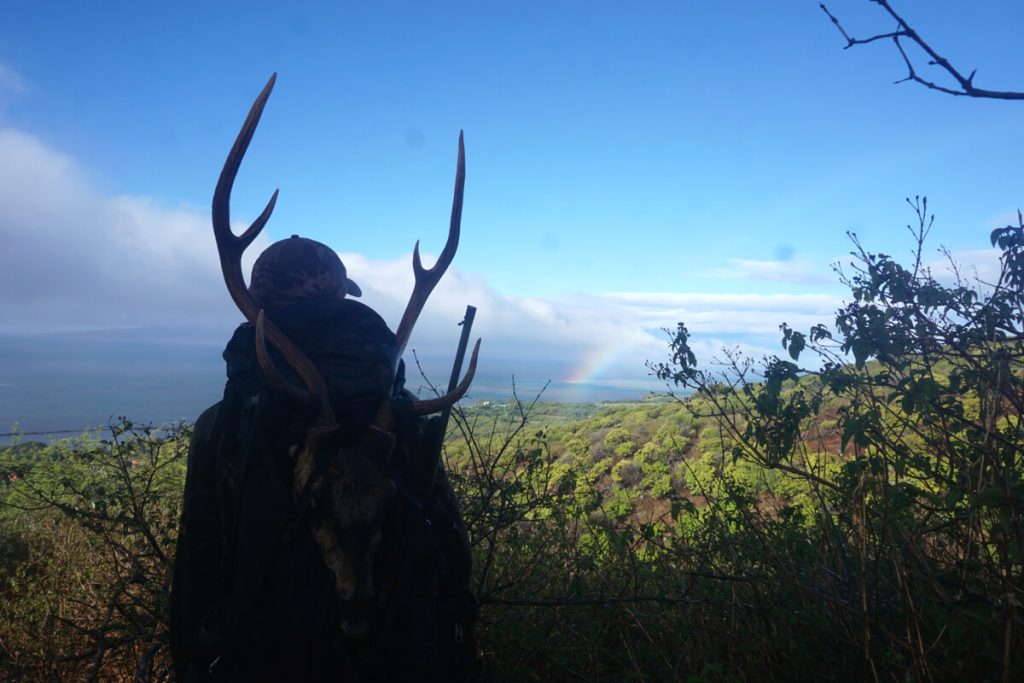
x,y
255,593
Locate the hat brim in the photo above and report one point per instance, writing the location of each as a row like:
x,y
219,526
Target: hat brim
x,y
351,288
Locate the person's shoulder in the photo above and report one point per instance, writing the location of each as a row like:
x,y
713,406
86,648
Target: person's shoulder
x,y
202,430
208,417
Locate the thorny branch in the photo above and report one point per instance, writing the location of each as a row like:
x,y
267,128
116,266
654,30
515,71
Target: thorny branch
x,y
966,87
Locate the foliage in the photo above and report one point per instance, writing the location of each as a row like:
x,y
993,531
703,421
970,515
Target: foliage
x,y
915,533
88,528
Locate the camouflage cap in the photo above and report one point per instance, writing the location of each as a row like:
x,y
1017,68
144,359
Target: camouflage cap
x,y
297,269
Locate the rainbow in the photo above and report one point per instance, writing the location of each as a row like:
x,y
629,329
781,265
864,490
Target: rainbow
x,y
594,365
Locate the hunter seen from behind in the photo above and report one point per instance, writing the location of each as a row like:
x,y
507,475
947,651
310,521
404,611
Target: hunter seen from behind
x,y
690,381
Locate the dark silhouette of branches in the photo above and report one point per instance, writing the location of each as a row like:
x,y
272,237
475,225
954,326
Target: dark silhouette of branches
x,y
904,32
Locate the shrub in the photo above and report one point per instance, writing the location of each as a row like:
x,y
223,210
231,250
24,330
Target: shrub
x,y
911,542
94,523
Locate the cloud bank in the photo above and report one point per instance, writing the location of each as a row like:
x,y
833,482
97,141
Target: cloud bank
x,y
778,270
72,258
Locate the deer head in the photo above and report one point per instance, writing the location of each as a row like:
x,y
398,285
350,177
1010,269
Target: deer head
x,y
341,481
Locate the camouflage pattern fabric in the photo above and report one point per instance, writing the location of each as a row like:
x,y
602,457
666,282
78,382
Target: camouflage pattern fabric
x,y
298,269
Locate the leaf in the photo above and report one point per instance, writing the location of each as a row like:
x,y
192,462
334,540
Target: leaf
x,y
796,345
820,332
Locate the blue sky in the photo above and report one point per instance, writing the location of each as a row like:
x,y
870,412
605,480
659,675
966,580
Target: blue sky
x,y
629,165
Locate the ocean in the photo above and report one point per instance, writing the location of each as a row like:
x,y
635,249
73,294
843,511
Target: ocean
x,y
58,385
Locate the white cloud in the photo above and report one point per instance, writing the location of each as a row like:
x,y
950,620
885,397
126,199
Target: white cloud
x,y
73,258
973,266
597,337
709,313
784,270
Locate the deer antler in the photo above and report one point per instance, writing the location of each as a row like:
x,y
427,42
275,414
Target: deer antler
x,y
230,248
427,278
435,405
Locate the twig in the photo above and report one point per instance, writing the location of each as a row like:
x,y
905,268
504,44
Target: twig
x,y
904,30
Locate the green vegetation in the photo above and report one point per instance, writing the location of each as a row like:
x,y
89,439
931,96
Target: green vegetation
x,y
87,535
858,517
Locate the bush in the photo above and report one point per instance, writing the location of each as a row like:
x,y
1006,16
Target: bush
x,y
93,524
911,543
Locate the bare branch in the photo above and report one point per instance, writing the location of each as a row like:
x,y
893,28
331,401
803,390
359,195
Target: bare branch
x,y
966,87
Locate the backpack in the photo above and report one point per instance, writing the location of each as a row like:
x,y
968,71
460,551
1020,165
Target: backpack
x,y
280,611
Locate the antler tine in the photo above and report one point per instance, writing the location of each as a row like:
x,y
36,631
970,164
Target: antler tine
x,y
230,248
434,405
427,278
315,382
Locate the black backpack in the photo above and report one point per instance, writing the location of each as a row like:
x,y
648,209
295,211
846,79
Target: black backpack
x,y
276,615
